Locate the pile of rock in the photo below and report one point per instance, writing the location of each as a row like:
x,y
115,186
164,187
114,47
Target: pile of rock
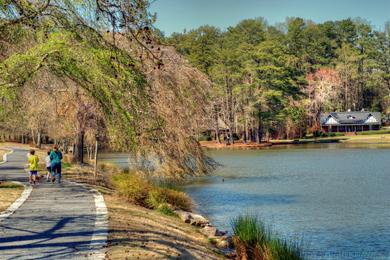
x,y
219,238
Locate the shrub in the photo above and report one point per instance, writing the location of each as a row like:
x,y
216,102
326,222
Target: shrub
x,y
140,191
178,199
158,196
205,138
253,241
317,133
132,186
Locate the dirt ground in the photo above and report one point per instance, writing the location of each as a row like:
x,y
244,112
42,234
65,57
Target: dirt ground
x,y
139,233
9,192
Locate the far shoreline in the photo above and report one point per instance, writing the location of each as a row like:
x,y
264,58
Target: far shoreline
x,y
372,138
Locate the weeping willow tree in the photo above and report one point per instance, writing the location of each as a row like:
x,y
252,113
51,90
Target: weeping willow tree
x,y
151,99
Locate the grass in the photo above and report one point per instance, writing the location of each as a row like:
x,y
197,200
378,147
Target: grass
x,y
165,209
377,132
10,185
253,241
138,190
9,192
66,165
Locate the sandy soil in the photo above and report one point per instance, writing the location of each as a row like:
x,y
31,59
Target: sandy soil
x,y
139,233
9,192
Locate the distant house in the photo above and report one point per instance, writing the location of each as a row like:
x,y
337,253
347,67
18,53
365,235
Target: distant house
x,y
350,121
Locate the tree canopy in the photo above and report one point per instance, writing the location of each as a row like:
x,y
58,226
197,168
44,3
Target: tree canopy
x,y
105,59
273,81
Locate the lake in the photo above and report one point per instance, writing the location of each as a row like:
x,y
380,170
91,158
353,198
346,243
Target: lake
x,y
332,198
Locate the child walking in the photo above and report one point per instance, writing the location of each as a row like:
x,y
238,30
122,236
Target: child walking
x,y
33,166
48,167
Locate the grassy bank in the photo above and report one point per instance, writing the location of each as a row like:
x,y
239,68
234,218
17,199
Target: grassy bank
x,y
253,241
370,137
142,222
140,233
9,192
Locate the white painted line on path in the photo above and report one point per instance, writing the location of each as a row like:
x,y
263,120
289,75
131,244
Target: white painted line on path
x,y
100,233
5,156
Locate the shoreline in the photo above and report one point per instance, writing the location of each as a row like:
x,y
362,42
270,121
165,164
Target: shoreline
x,y
374,138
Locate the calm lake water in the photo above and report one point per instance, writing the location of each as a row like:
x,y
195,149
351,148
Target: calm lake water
x,y
332,198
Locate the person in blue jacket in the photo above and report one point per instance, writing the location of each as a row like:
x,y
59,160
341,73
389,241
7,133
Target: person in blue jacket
x,y
55,158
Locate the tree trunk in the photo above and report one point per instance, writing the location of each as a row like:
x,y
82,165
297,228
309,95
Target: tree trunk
x,y
216,128
39,139
246,130
95,162
33,136
79,148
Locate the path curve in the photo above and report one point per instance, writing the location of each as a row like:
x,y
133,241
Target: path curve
x,y
57,221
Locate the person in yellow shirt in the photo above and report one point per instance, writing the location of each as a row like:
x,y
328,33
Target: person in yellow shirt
x,y
33,166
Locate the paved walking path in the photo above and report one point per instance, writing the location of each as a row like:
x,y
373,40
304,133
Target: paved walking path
x,y
57,221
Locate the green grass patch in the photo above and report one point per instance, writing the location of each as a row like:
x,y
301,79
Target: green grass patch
x,y
374,132
66,165
166,210
253,241
10,185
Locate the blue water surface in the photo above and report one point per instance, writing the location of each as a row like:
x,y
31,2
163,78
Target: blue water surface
x,y
333,199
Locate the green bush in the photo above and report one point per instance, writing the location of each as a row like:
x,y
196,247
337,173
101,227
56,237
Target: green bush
x,y
158,196
132,187
329,134
253,241
142,192
178,199
205,138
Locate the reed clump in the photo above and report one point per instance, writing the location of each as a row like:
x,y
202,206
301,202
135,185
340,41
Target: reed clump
x,y
253,241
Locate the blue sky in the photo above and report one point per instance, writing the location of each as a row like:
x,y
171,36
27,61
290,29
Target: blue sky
x,y
177,15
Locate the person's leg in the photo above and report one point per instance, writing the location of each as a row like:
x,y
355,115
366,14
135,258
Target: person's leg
x,y
30,177
34,176
53,173
48,175
59,173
